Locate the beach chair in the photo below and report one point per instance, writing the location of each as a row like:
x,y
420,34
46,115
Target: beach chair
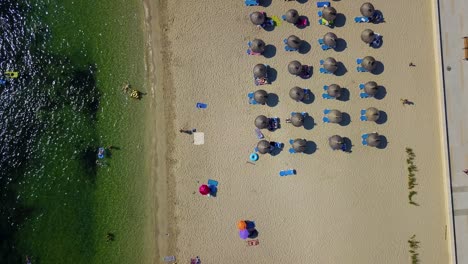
x,y
323,4
361,69
325,87
363,111
324,71
327,96
259,133
252,3
361,19
325,47
364,142
213,187
364,136
202,105
363,95
361,86
326,111
363,118
287,48
326,120
292,151
358,61
2,82
291,141
319,13
283,17
251,98
287,172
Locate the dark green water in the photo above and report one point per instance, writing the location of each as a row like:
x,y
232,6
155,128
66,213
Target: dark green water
x,y
57,204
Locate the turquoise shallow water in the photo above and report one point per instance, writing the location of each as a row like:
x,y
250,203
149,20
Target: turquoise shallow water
x,y
57,204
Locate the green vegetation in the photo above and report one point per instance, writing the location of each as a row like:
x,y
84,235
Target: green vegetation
x,y
411,175
414,245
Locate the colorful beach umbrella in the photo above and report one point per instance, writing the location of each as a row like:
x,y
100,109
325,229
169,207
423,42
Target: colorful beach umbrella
x,y
372,114
329,39
244,233
335,142
297,93
241,225
335,116
330,64
257,18
371,88
367,35
295,68
204,189
299,145
263,147
329,13
292,16
257,46
297,119
294,42
334,90
367,10
373,140
261,96
368,63
262,122
260,71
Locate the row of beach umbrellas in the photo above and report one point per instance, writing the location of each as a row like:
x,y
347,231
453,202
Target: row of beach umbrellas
x,y
329,13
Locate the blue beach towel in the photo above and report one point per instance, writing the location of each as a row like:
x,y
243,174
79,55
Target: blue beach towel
x,y
323,4
202,106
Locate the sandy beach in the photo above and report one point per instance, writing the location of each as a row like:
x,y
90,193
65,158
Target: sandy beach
x,y
340,207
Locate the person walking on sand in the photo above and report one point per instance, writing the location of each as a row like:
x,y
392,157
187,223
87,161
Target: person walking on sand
x,y
405,101
465,171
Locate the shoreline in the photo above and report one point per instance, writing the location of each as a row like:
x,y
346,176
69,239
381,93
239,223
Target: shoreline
x,y
160,78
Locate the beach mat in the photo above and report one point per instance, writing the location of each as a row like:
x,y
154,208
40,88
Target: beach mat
x,y
169,258
198,138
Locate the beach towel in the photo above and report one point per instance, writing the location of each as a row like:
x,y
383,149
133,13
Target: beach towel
x,y
198,138
259,133
169,258
201,105
276,20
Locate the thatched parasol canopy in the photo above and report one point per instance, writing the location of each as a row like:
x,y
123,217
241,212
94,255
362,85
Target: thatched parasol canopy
x,y
367,35
299,145
330,64
297,93
371,88
295,68
373,140
260,71
294,42
330,39
368,63
335,142
257,18
335,116
334,90
329,13
261,96
367,10
297,119
263,147
258,46
262,122
372,114
292,16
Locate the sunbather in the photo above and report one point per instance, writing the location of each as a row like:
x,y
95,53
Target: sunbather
x,y
261,81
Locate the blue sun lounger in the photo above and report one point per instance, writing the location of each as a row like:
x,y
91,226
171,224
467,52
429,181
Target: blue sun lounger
x,y
326,120
252,3
213,187
287,48
259,133
323,4
361,19
361,86
364,136
251,98
363,116
322,45
364,95
358,61
202,106
287,172
326,111
361,69
327,96
324,71
2,82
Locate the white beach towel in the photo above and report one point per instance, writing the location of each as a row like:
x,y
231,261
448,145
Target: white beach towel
x,y
198,138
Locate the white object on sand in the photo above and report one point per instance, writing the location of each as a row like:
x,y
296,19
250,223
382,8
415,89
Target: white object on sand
x,y
198,138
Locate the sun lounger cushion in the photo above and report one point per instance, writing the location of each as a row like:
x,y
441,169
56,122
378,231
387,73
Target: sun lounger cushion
x,y
323,4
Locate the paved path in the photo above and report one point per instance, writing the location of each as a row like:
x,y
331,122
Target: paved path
x,y
454,27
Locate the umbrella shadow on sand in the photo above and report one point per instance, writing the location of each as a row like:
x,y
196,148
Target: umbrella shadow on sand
x,y
381,93
311,147
272,100
305,47
270,51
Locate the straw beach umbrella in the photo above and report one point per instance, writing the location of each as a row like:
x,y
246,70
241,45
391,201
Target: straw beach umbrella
x,y
368,63
297,93
262,122
367,35
335,116
260,71
330,39
335,142
329,13
263,147
297,119
258,46
294,42
295,68
373,140
372,114
330,64
367,10
334,90
371,88
299,145
292,16
257,18
261,96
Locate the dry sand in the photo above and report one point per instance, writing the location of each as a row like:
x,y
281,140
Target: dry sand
x,y
340,207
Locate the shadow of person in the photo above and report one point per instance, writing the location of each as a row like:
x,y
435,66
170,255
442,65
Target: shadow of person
x,y
345,119
270,51
272,100
309,122
382,118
